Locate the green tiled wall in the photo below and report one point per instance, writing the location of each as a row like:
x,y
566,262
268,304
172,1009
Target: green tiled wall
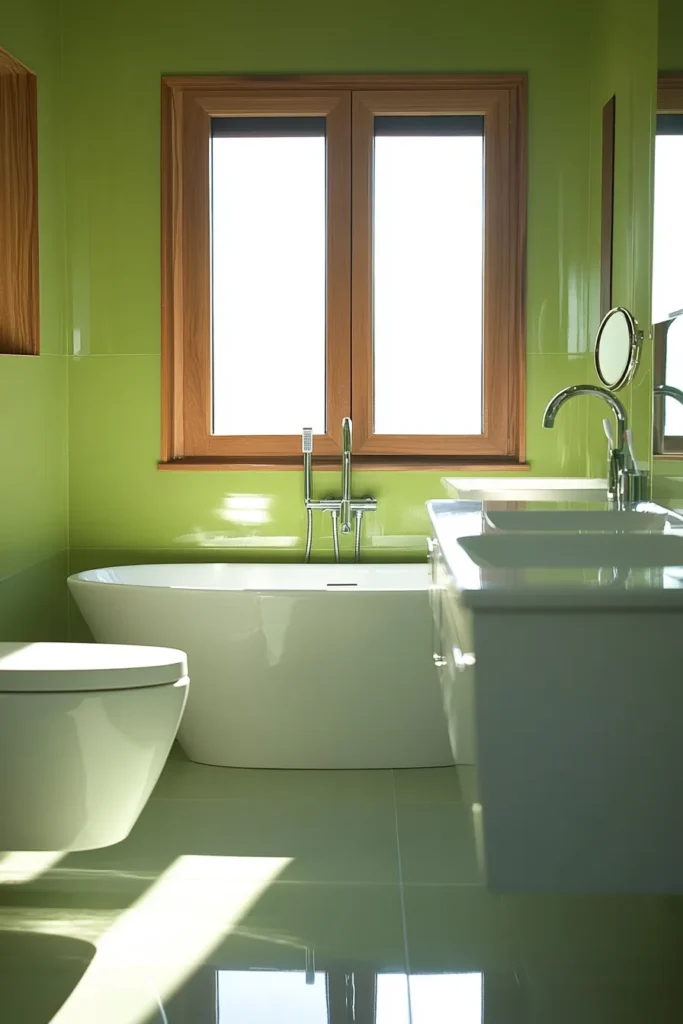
x,y
118,499
99,67
33,390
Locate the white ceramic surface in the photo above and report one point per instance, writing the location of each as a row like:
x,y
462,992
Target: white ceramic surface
x,y
535,520
78,763
518,487
574,550
56,667
292,666
562,657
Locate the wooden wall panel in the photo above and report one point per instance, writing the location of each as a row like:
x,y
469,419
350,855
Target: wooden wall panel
x,y
18,209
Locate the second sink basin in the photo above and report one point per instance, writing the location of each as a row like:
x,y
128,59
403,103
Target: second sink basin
x,y
534,520
573,550
517,487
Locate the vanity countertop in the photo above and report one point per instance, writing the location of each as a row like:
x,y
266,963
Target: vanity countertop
x,y
621,566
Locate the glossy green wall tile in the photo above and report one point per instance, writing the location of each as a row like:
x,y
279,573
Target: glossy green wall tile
x,y
626,37
670,35
33,391
118,499
34,601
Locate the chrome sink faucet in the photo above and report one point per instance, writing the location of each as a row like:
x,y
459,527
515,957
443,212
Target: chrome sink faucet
x,y
668,391
620,469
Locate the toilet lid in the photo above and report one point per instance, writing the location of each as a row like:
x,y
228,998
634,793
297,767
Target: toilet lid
x,y
67,668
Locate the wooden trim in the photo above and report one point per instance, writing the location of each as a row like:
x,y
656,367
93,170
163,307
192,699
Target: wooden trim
x,y
188,103
186,322
503,108
19,294
659,377
217,85
9,65
361,463
607,211
670,92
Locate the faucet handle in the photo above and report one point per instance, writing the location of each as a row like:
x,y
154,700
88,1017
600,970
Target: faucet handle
x,y
347,433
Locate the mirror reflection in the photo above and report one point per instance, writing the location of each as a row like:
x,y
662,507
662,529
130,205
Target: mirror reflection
x,y
667,285
339,996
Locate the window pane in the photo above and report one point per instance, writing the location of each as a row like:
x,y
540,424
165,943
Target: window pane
x,y
667,271
268,278
428,276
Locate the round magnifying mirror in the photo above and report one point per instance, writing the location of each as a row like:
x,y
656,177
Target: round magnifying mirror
x,y
617,348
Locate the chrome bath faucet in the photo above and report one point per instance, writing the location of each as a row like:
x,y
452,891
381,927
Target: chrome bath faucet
x,y
346,476
345,508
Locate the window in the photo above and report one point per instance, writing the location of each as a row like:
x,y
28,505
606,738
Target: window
x,y
667,265
349,246
18,208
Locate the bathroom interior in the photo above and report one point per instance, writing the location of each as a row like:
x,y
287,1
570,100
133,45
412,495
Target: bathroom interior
x,y
339,645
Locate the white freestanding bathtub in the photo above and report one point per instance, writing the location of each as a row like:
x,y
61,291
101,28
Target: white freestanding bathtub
x,y
292,666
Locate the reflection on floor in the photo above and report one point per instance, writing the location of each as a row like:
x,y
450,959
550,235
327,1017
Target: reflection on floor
x,y
248,897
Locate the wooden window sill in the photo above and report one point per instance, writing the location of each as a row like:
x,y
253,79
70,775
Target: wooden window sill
x,y
360,463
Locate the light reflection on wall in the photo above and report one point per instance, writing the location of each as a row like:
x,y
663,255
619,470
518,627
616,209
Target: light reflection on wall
x,y
248,514
246,509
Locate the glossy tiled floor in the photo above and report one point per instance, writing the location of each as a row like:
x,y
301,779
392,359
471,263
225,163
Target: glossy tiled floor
x,y
247,897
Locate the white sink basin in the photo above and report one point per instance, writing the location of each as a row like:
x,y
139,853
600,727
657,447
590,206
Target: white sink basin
x,y
573,550
534,520
526,488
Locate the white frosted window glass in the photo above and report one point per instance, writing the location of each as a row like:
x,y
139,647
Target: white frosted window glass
x,y
271,997
428,284
667,263
268,284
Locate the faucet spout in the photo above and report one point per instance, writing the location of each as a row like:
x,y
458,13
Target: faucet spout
x,y
668,391
618,473
346,476
556,403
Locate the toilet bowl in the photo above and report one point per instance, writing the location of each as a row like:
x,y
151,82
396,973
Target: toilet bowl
x,y
85,730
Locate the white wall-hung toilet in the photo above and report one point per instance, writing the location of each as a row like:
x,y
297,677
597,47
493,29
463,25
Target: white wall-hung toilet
x,y
85,730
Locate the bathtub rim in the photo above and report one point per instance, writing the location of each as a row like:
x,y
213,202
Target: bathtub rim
x,y
79,578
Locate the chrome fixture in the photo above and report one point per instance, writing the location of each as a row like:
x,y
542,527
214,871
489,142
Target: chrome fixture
x,y
345,508
621,467
346,476
617,348
307,448
668,391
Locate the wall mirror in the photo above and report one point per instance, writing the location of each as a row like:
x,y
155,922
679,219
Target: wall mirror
x,y
667,270
617,348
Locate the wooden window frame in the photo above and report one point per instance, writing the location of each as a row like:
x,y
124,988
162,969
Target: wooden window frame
x,y
349,104
19,295
669,101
